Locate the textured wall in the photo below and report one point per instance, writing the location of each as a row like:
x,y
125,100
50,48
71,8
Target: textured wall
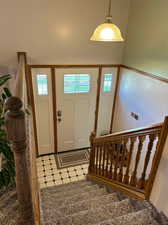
x,y
147,43
143,95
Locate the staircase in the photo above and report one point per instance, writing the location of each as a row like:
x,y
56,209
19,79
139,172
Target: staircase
x,y
84,202
87,203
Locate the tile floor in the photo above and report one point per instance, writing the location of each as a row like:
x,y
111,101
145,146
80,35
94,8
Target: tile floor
x,y
50,175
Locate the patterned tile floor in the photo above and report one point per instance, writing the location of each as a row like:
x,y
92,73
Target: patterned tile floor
x,y
50,175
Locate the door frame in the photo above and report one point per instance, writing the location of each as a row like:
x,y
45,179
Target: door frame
x,y
54,97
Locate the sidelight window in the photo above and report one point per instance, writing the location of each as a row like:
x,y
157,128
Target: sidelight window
x,y
42,84
107,85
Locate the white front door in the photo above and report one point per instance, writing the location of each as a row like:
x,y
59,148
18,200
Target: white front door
x,y
76,91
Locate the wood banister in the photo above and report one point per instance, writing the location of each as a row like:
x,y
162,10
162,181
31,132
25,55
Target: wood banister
x,y
128,159
16,130
130,132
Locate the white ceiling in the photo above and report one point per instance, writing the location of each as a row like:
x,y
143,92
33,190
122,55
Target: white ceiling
x,y
58,31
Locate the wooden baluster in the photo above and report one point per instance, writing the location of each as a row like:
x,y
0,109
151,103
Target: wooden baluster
x,y
104,156
123,155
152,138
93,159
97,158
117,156
111,160
127,177
16,130
157,145
133,181
100,160
107,160
92,152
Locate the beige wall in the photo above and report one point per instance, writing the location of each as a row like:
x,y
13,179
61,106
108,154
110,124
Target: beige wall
x,y
147,43
143,95
58,31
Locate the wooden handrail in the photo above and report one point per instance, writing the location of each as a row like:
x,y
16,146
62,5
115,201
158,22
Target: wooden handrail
x,y
130,132
129,159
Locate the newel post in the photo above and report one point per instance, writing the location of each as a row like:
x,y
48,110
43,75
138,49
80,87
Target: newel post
x,y
16,130
91,163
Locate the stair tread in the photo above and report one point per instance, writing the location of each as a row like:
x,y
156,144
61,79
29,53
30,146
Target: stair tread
x,y
89,217
142,217
66,187
70,192
87,204
48,201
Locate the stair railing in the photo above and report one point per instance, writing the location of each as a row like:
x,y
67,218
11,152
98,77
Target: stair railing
x,y
128,161
20,130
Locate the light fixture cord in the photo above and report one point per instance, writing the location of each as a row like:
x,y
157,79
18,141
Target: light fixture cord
x,y
109,9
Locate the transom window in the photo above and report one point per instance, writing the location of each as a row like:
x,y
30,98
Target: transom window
x,y
42,84
107,85
76,83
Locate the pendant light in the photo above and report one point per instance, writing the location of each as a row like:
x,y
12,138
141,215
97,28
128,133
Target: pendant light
x,y
107,31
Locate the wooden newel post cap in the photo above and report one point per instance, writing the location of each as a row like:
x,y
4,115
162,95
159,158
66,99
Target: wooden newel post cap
x,y
14,104
92,136
15,120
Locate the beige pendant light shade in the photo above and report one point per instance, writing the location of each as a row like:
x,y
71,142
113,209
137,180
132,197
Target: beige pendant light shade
x,y
107,31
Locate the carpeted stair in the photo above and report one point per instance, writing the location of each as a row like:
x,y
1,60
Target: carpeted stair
x,y
9,213
85,203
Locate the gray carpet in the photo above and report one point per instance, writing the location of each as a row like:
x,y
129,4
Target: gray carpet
x,y
9,212
85,203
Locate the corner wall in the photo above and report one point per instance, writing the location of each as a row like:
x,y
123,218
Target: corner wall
x,y
147,46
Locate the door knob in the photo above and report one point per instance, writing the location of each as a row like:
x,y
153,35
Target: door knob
x,y
59,113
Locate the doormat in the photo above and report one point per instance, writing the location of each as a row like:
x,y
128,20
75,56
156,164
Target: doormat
x,y
73,158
